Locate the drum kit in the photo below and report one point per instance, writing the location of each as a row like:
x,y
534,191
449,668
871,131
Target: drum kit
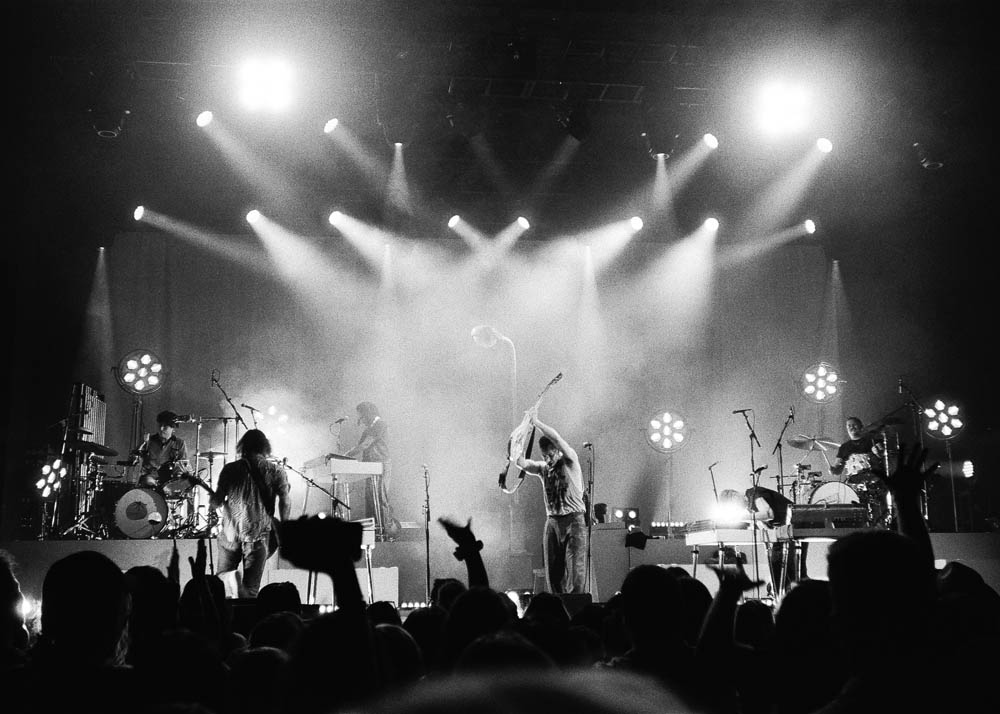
x,y
864,486
160,504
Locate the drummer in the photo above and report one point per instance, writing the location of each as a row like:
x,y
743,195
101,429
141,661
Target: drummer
x,y
161,453
859,458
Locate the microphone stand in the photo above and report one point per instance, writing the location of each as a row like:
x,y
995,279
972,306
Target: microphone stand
x,y
427,535
754,480
778,449
311,579
915,410
238,417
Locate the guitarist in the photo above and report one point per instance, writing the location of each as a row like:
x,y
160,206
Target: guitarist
x,y
245,495
565,540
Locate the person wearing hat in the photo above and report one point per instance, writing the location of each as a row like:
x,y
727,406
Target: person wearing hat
x,y
164,448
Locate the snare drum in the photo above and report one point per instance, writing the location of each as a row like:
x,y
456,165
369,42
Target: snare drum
x,y
140,513
833,492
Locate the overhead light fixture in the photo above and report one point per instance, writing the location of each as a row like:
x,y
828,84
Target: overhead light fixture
x,y
140,372
925,159
575,120
139,212
330,125
943,419
52,475
820,383
204,119
666,431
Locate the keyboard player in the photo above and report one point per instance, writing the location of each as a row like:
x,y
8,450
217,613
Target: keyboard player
x,y
769,509
373,446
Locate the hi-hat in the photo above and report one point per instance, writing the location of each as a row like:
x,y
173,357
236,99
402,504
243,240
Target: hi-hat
x,y
91,447
811,443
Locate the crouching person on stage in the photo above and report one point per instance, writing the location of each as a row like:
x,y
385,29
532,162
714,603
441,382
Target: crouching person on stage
x,y
245,497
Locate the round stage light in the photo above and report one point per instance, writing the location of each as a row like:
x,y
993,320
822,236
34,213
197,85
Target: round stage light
x,y
711,141
666,431
330,125
204,119
810,226
453,221
253,216
943,419
138,213
335,217
140,372
523,222
636,223
52,475
712,224
820,383
824,145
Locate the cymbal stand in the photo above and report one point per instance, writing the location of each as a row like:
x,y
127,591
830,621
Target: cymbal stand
x,y
754,480
590,510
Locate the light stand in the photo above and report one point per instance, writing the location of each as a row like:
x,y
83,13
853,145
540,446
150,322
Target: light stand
x,y
590,511
487,336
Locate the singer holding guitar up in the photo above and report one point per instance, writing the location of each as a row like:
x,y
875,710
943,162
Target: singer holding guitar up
x,y
565,540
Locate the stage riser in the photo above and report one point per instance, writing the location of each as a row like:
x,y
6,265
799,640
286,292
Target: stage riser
x,y
405,563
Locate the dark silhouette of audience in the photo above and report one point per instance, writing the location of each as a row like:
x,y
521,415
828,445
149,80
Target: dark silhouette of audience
x,y
888,632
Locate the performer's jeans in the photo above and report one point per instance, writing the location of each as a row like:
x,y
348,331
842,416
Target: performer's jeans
x,y
253,556
565,542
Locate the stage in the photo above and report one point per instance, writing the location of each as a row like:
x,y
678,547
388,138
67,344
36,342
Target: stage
x,y
399,568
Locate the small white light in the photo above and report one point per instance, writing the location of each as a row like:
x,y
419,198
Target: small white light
x,y
636,223
253,216
710,141
335,217
810,226
824,145
204,119
967,469
330,125
523,222
712,224
138,212
40,484
399,145
453,221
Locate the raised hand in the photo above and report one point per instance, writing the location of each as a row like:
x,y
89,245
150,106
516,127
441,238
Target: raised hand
x,y
735,581
910,475
461,535
198,562
174,566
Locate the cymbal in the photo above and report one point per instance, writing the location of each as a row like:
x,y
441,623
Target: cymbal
x,y
888,421
811,443
91,447
211,453
79,430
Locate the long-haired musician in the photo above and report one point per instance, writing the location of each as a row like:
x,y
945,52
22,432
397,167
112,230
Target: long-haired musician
x,y
565,539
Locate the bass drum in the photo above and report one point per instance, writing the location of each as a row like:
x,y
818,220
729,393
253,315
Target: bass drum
x,y
140,513
833,492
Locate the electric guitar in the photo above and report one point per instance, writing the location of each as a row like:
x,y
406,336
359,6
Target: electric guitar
x,y
521,441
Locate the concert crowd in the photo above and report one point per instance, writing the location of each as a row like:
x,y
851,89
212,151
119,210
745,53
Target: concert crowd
x,y
888,632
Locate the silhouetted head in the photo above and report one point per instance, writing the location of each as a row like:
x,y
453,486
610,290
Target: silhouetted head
x,y
426,625
652,606
383,612
85,609
547,609
278,597
476,612
696,600
279,629
754,624
401,662
502,651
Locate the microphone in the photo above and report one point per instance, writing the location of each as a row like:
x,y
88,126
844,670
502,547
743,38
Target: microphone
x,y
587,445
791,413
759,469
341,420
247,406
900,385
215,376
714,465
742,411
184,417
